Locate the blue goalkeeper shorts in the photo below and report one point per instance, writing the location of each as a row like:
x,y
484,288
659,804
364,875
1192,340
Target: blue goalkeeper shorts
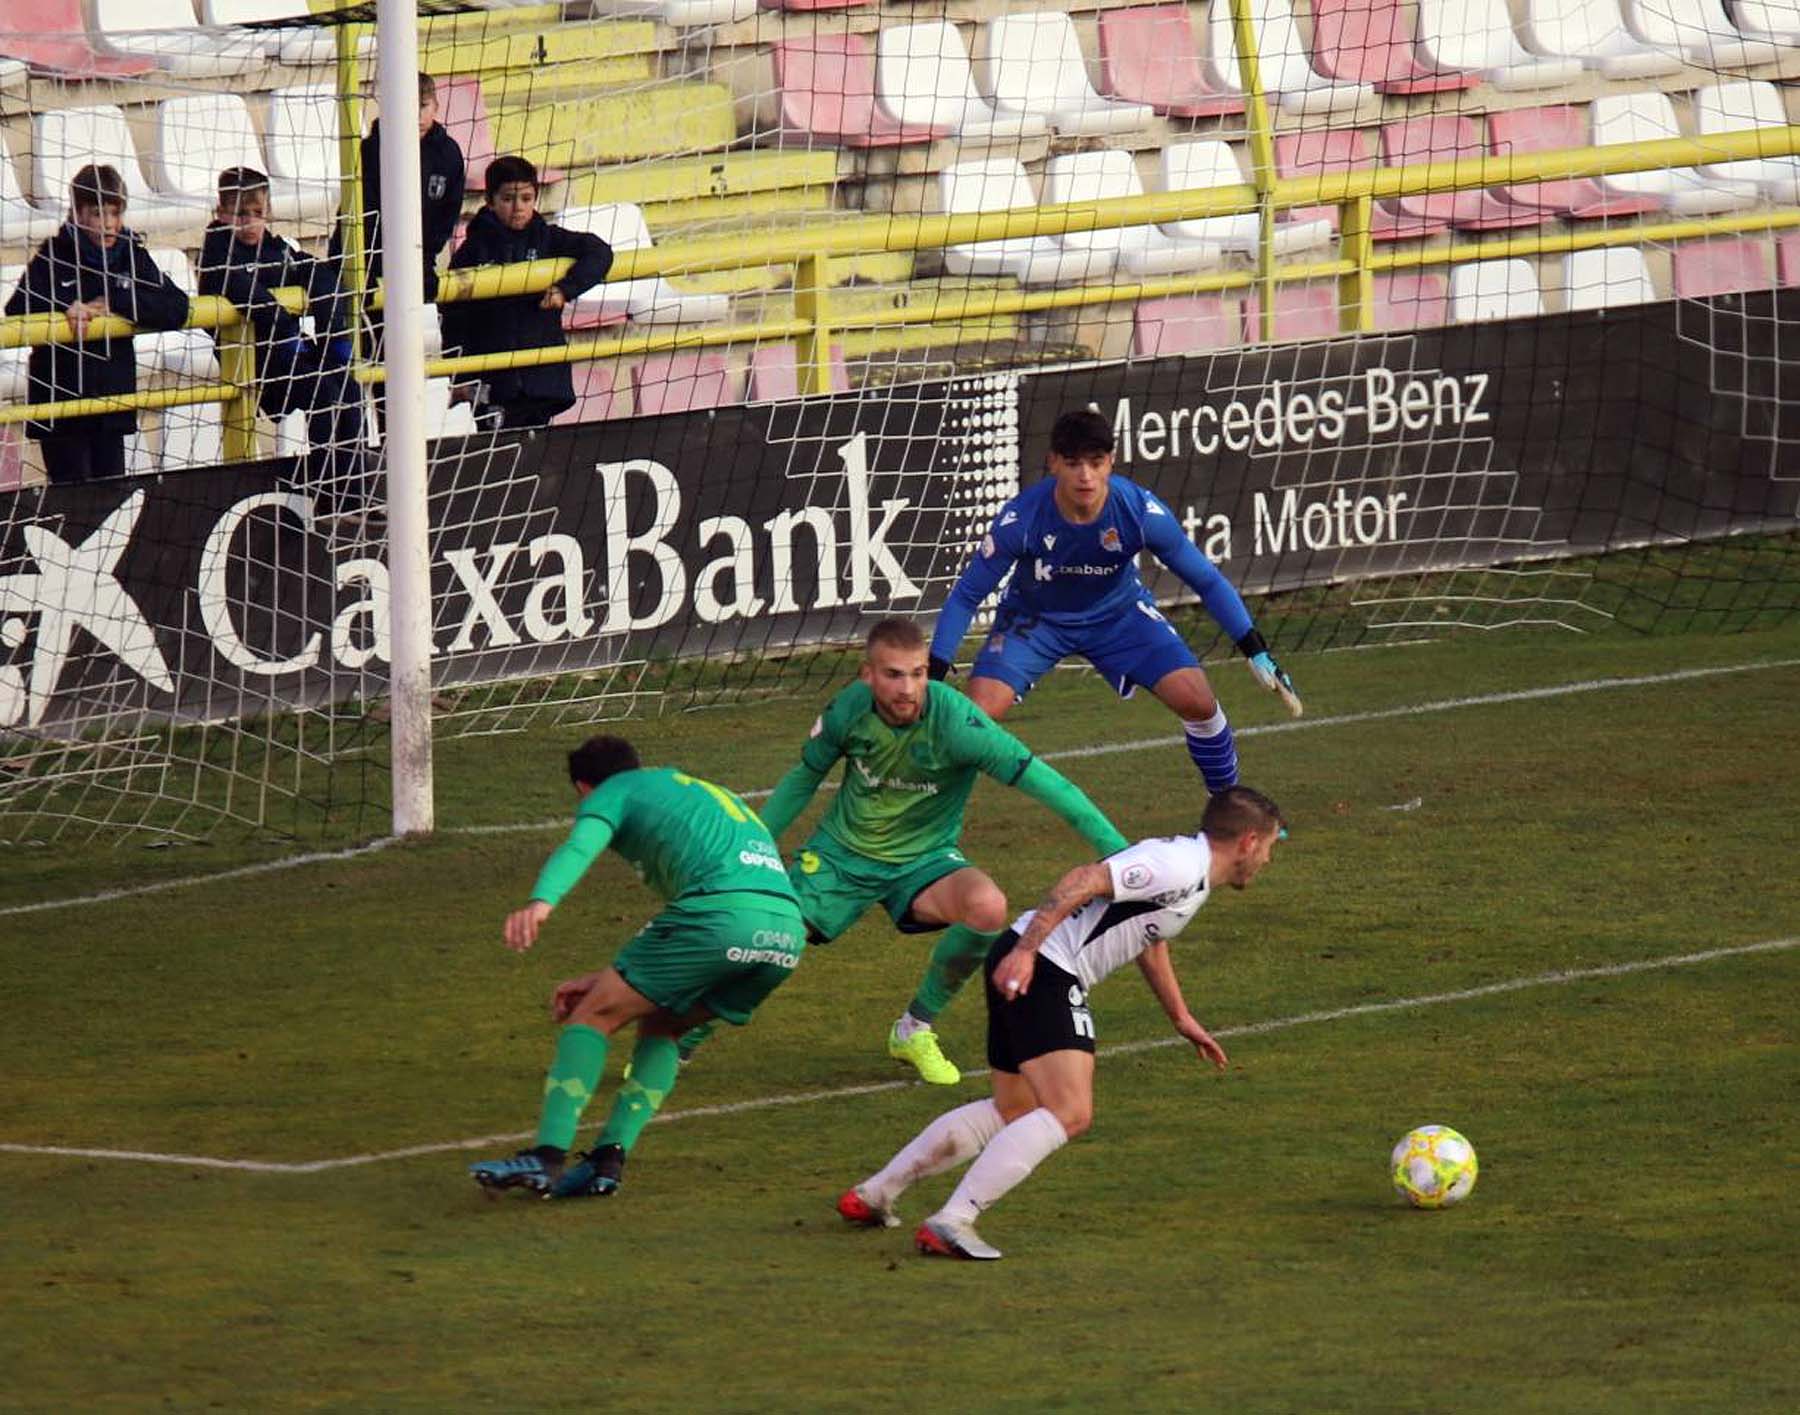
x,y
1136,647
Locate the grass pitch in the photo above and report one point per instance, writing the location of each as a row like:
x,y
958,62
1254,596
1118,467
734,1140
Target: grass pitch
x,y
1218,1242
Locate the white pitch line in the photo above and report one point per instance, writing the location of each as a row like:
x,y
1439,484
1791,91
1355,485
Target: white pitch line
x,y
1305,724
1246,1029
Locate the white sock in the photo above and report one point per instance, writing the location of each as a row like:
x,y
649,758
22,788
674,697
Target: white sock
x,y
1211,727
955,1136
908,1024
1009,1157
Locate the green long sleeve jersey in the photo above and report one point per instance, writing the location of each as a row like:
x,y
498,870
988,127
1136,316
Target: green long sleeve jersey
x,y
905,789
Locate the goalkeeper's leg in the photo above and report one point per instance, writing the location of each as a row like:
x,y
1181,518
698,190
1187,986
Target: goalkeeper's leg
x,y
1210,744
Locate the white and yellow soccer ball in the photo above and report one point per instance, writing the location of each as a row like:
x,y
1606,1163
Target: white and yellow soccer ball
x,y
1434,1166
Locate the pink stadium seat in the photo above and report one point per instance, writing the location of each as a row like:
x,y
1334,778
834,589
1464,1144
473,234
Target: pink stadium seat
x,y
12,457
827,85
1787,259
1371,42
774,373
1342,150
1411,301
1448,137
1150,55
1547,130
1187,324
463,112
809,4
597,394
681,383
53,35
1720,267
1301,312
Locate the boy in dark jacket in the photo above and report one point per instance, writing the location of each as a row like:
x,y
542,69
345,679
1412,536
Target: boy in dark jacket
x,y
244,261
89,269
441,182
506,231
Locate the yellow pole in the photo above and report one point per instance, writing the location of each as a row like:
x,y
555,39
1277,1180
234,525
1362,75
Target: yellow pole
x,y
1262,160
813,348
1356,286
350,210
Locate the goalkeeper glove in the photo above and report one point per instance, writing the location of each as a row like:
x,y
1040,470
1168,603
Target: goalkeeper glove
x,y
940,668
1268,672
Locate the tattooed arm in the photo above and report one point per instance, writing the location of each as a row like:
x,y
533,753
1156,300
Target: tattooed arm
x,y
1080,885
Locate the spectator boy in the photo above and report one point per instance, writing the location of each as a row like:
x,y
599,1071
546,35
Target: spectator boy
x,y
244,261
91,268
506,231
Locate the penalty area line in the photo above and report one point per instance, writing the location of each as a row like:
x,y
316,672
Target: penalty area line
x,y
1558,978
1140,744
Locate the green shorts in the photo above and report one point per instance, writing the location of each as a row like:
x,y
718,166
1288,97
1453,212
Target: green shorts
x,y
837,886
723,952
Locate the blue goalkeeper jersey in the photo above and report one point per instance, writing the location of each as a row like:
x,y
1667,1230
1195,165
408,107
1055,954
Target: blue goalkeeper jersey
x,y
1081,576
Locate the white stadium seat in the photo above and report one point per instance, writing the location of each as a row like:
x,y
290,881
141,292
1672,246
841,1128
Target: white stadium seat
x,y
1732,107
1138,250
21,223
1494,289
1000,184
1697,31
649,300
1187,166
1777,20
64,140
200,136
1606,278
184,353
1646,117
1286,72
165,31
924,79
1034,64
302,145
1478,35
1593,32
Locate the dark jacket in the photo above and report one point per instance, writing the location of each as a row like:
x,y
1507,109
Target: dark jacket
x,y
245,275
441,181
494,326
70,266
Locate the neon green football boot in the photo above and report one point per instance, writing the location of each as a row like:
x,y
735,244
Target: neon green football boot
x,y
921,1051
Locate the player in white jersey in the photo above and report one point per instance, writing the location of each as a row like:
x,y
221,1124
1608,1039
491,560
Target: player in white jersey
x,y
1098,917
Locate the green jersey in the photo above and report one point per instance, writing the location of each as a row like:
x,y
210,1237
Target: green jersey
x,y
685,837
905,788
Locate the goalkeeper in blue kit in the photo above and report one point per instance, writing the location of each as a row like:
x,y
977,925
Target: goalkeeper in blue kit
x,y
1071,542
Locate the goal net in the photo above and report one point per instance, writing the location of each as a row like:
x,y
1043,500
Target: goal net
x,y
797,398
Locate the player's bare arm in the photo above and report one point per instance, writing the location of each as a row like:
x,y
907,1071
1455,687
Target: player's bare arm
x,y
1081,884
1159,972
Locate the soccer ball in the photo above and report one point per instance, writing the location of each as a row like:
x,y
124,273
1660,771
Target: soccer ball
x,y
1434,1166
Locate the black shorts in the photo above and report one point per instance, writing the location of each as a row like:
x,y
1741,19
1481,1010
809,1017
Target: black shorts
x,y
1052,1015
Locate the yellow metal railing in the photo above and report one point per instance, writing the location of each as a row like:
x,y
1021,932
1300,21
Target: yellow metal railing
x,y
808,248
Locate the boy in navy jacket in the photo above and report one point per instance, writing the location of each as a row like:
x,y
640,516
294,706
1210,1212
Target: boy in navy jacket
x,y
244,261
91,268
506,231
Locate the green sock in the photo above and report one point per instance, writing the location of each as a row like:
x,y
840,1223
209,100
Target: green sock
x,y
691,1039
958,954
569,1084
653,1068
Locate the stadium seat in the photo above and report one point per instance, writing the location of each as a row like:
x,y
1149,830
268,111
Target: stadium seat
x,y
679,14
1188,324
200,136
1286,75
301,142
681,383
12,456
1606,278
923,77
1720,266
1411,302
21,223
1628,118
826,84
1342,150
442,417
1302,311
1448,137
646,300
1518,130
165,32
192,436
1186,166
1593,33
1150,54
1000,184
1732,107
1775,20
1137,250
64,140
1478,35
775,373
597,394
52,36
1494,289
1787,259
463,112
810,4
1696,30
1034,64
14,387
183,353
1371,42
